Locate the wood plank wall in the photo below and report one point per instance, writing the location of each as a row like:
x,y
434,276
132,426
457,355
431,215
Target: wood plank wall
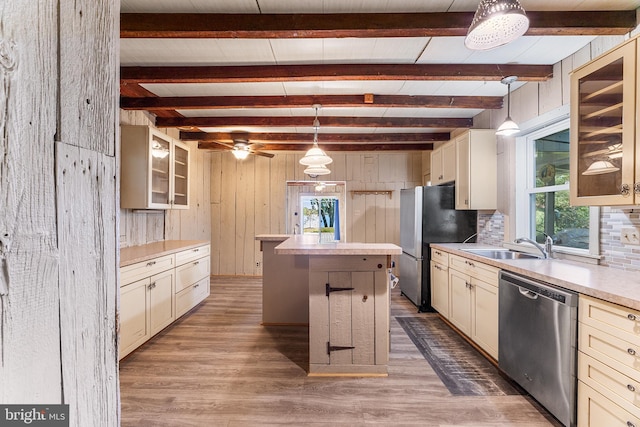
x,y
58,251
249,197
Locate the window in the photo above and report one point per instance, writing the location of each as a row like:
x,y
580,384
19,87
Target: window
x,y
320,215
543,205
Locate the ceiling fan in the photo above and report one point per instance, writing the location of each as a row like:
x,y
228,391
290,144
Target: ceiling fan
x,y
241,148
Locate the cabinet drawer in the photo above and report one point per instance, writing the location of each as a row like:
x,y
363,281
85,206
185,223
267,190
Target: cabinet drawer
x,y
143,269
188,274
609,349
595,410
191,296
440,256
621,389
614,319
348,263
475,269
192,254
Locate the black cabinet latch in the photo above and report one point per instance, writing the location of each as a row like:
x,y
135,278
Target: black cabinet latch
x,y
331,348
329,289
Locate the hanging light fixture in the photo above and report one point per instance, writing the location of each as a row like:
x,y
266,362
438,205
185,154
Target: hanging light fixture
x,y
600,167
508,127
316,156
158,151
316,170
495,23
240,150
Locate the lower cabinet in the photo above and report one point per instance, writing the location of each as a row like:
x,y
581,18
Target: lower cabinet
x,y
157,291
608,364
348,315
473,289
440,282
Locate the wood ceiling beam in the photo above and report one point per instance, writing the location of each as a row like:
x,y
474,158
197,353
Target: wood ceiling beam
x,y
329,147
400,122
299,101
258,137
332,72
438,24
138,92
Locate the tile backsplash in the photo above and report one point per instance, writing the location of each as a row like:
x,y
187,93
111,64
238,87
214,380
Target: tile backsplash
x,y
490,228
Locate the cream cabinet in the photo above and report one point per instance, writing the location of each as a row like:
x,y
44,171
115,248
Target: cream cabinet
x,y
440,282
348,314
192,278
443,164
146,305
608,364
604,147
154,170
473,309
476,170
155,292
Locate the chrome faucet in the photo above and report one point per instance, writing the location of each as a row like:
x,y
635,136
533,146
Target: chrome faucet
x,y
469,238
542,250
548,245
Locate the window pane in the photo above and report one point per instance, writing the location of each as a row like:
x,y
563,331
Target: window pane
x,y
318,216
567,225
552,159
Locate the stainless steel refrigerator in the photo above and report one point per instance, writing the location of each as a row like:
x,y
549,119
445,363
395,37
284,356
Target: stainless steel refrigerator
x,y
428,215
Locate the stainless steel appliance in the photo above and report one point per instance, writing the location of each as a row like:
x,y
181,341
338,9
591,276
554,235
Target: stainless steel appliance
x,y
428,215
537,342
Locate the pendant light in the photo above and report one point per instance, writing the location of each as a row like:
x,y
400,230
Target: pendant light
x,y
600,167
508,127
316,156
495,23
316,170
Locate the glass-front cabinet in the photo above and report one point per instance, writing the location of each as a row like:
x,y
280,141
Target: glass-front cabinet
x,y
603,142
154,170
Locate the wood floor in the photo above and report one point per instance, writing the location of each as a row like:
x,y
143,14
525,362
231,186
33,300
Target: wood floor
x,y
217,366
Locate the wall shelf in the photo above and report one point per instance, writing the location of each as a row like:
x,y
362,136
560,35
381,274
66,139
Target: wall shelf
x,y
372,192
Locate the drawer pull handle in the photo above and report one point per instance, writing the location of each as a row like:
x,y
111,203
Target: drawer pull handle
x,y
196,250
196,263
438,252
631,316
469,263
631,351
630,424
631,388
196,285
150,263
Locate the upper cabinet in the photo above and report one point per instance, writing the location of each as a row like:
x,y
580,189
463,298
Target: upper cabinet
x,y
603,142
443,164
154,170
476,170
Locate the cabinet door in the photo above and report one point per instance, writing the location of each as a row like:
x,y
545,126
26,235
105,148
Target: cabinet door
x,y
602,145
463,190
460,310
161,301
436,167
180,187
485,316
449,162
134,323
159,172
440,288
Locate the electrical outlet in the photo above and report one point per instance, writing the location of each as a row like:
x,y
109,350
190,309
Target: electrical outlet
x,y
630,236
258,264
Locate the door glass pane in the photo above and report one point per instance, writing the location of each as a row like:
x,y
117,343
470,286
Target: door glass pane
x,y
319,215
600,131
568,226
180,177
159,171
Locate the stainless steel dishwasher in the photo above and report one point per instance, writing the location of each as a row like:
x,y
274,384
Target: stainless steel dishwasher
x,y
538,340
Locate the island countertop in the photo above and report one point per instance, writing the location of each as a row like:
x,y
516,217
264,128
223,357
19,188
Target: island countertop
x,y
300,244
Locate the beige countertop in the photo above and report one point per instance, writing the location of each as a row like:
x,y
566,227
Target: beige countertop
x,y
610,284
133,254
308,245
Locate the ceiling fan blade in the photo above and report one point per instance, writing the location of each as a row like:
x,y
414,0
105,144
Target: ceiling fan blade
x,y
261,153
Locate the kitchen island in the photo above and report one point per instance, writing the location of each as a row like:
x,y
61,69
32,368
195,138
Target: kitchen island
x,y
348,300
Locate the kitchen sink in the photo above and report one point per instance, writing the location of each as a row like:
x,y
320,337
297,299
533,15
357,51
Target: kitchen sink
x,y
501,254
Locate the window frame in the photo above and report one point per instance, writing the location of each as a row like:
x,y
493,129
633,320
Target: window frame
x,y
525,188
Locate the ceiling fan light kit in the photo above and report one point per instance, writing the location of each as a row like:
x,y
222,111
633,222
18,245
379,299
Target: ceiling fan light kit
x,y
508,127
496,23
240,151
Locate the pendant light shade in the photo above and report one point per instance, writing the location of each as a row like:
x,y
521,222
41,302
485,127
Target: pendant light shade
x,y
600,167
316,156
158,151
316,170
508,127
495,23
240,152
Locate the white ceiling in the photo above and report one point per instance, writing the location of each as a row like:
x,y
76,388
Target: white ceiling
x,y
419,50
